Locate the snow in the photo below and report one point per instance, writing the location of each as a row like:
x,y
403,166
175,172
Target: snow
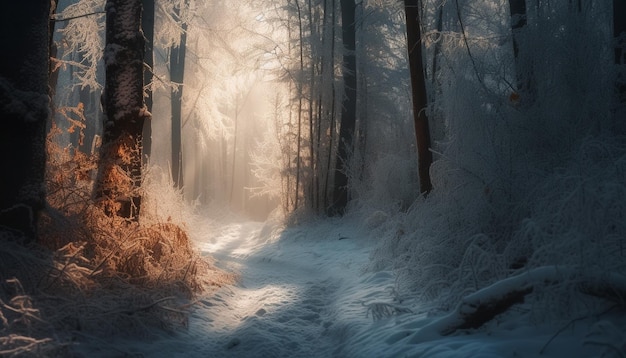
x,y
305,291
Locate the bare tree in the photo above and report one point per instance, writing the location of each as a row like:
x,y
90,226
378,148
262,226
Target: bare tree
x,y
523,73
619,31
348,110
177,75
147,26
419,96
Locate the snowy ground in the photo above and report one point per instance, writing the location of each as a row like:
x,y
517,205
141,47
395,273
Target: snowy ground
x,y
304,292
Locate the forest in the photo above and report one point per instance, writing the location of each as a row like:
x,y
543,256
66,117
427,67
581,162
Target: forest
x,y
313,178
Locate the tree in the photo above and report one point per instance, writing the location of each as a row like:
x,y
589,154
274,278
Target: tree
x,y
24,105
177,75
119,175
147,26
619,31
348,110
518,13
418,94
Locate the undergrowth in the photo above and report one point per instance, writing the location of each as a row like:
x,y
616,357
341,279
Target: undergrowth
x,y
94,275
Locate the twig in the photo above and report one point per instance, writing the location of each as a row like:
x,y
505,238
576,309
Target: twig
x,y
55,17
458,13
148,306
21,349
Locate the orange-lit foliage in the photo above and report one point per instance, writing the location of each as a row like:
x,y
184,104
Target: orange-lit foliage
x,y
105,275
117,183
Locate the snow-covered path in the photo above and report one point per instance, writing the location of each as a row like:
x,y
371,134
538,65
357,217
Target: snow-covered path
x,y
301,293
295,287
304,292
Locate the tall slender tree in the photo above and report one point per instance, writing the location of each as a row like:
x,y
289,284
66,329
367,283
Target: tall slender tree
x,y
348,110
119,174
147,26
619,31
418,93
24,108
177,76
523,74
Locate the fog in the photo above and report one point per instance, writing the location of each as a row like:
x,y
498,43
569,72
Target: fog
x,y
226,110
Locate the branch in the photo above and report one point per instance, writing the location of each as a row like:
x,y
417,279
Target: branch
x,y
56,19
483,305
147,306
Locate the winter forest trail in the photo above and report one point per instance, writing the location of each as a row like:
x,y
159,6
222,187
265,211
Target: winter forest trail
x,y
300,293
284,303
306,291
291,292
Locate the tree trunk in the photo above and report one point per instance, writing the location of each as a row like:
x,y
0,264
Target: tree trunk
x,y
348,111
234,161
24,108
119,176
310,187
53,72
147,25
300,100
418,92
177,75
619,31
332,110
437,49
523,72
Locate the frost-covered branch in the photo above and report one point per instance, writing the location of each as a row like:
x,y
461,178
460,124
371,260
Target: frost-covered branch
x,y
58,18
483,305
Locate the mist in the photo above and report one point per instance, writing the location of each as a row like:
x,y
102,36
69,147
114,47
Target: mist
x,y
226,110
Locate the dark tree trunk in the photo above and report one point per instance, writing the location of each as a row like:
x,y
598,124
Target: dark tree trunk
x,y
619,31
177,74
53,72
348,110
119,176
332,111
523,71
300,101
419,97
24,109
437,50
518,21
147,25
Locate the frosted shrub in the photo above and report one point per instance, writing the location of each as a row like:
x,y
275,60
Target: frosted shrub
x,y
393,182
578,213
517,184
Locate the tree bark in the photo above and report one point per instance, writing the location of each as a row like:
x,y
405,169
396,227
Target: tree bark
x,y
523,71
24,108
119,176
419,96
147,25
619,31
177,75
348,110
300,101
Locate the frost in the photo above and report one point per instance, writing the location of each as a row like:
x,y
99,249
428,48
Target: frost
x,y
83,40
